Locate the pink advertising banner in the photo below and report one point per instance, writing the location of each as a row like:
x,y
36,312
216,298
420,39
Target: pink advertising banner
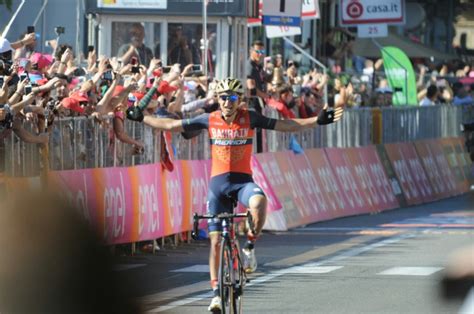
x,y
259,177
370,171
199,184
410,173
349,182
428,160
443,167
332,204
173,199
275,176
312,191
146,194
80,190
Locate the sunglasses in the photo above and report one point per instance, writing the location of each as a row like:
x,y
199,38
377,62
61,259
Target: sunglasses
x,y
260,52
231,98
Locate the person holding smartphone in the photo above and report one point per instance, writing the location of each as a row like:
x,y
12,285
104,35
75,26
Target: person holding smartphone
x,y
136,47
28,39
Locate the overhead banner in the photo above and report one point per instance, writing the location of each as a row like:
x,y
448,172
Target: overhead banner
x,y
132,4
400,75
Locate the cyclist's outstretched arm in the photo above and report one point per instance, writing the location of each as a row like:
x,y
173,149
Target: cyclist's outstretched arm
x,y
164,124
325,116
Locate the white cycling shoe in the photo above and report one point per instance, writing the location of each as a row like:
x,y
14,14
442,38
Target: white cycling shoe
x,y
250,261
215,305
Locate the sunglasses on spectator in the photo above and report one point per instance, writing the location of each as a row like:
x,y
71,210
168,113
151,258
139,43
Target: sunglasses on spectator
x,y
231,98
260,51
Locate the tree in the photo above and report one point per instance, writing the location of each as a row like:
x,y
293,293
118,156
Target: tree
x,y
8,3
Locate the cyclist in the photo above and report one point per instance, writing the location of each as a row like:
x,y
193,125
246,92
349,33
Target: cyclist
x,y
231,131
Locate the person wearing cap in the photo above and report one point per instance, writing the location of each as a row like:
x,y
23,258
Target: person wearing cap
x,y
6,46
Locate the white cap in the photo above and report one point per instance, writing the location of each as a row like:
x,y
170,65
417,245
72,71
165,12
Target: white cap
x,y
4,45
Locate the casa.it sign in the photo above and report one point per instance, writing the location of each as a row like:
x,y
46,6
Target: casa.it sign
x,y
360,12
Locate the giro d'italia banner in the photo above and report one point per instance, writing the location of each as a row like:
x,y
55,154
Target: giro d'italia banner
x,y
400,75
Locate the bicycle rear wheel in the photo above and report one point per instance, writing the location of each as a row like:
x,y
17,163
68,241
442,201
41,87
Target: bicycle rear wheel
x,y
226,278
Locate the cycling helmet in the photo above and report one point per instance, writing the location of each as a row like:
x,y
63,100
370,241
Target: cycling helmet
x,y
229,85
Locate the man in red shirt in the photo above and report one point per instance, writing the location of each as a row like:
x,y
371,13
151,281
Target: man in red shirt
x,y
231,132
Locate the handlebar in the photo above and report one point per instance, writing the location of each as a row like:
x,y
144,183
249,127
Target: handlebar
x,y
196,218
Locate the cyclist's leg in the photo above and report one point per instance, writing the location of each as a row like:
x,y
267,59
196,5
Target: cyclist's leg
x,y
252,197
217,202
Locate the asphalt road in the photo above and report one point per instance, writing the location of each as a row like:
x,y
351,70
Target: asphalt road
x,y
390,262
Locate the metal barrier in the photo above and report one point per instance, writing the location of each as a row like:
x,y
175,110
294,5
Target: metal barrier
x,y
78,143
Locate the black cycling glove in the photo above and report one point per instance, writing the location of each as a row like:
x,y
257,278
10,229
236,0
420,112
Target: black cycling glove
x,y
135,113
326,116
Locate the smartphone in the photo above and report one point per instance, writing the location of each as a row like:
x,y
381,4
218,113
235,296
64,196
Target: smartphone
x,y
197,68
1,81
90,49
23,76
108,76
166,69
136,69
152,80
30,29
28,89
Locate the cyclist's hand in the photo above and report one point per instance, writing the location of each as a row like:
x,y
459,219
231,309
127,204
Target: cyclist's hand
x,y
329,115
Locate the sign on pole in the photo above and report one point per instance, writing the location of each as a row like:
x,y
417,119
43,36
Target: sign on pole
x,y
360,12
370,31
310,10
281,12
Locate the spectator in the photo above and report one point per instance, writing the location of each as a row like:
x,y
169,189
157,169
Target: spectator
x,y
282,100
462,97
256,84
431,96
136,48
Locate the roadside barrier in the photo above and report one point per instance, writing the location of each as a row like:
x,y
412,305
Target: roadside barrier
x,y
127,204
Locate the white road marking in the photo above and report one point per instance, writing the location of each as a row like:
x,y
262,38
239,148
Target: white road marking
x,y
411,271
289,270
122,267
308,269
200,268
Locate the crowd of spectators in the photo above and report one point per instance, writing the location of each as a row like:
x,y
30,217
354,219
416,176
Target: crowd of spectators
x,y
40,88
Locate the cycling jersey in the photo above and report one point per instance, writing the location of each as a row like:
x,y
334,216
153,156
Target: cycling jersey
x,y
231,144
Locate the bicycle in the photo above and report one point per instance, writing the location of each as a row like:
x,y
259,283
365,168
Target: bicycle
x,y
232,277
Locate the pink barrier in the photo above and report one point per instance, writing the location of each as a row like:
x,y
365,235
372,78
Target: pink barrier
x,y
369,169
271,168
141,203
428,160
331,202
352,189
410,173
273,204
173,199
148,198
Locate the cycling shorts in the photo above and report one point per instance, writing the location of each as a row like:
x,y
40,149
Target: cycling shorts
x,y
224,192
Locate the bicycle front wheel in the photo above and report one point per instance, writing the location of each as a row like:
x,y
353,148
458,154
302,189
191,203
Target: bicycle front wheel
x,y
240,280
226,278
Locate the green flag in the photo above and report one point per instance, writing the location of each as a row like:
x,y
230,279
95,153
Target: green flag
x,y
400,75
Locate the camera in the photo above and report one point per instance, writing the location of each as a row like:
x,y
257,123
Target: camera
x,y
59,30
30,29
